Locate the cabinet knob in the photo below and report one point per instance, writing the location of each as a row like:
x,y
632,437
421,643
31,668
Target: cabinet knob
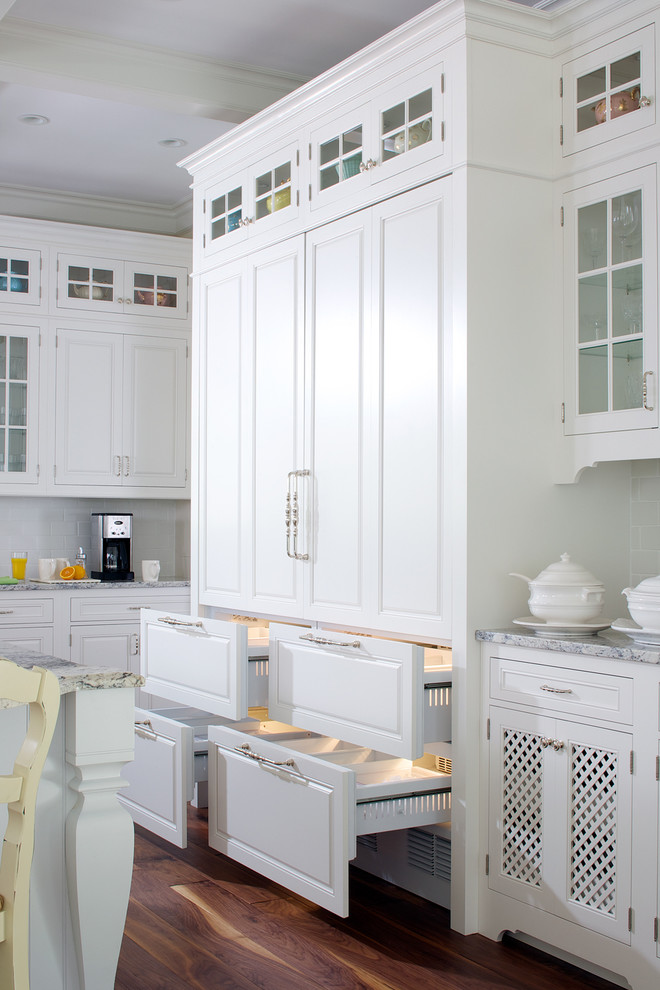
x,y
557,744
644,101
368,165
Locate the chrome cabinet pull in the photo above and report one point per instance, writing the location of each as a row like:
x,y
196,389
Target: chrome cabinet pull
x,y
137,608
127,466
145,730
168,620
554,690
292,515
355,644
645,391
118,471
285,766
6,611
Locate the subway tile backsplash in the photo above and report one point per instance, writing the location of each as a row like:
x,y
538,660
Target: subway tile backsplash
x,y
56,527
644,520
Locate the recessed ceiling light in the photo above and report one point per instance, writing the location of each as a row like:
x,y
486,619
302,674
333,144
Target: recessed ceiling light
x,y
35,119
172,143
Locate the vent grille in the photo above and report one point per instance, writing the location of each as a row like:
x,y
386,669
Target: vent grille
x,y
443,764
398,809
369,842
429,853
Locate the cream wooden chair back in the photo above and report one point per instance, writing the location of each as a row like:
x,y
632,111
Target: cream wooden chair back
x,y
40,690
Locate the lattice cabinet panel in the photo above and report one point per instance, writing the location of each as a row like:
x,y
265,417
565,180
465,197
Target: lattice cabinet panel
x,y
559,828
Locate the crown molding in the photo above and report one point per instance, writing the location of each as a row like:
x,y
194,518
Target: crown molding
x,y
88,64
96,211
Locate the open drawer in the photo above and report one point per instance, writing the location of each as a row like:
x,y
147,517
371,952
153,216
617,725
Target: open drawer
x,y
289,803
368,691
196,662
171,747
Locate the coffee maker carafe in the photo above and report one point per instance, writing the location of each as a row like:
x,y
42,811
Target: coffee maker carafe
x,y
111,556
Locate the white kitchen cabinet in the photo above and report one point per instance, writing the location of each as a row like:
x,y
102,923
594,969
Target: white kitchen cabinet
x,y
251,419
400,127
609,93
560,818
116,287
292,531
133,434
611,355
19,404
20,277
28,619
262,198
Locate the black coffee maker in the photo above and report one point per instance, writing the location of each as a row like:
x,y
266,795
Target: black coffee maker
x,y
111,557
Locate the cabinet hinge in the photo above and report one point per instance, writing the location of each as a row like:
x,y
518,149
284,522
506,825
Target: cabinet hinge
x,y
563,412
561,134
561,87
38,470
632,761
203,206
187,352
487,864
186,475
40,340
70,639
561,216
442,82
630,919
297,197
54,470
487,728
442,130
655,929
309,151
204,240
297,156
657,768
309,191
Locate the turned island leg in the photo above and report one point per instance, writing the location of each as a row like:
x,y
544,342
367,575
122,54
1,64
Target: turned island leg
x,y
99,831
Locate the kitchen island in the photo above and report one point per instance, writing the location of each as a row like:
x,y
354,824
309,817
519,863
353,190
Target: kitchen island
x,y
83,858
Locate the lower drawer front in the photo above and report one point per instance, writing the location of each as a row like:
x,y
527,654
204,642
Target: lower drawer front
x,y
291,808
562,689
32,610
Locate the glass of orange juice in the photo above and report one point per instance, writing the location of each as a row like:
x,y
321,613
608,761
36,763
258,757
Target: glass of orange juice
x,y
18,564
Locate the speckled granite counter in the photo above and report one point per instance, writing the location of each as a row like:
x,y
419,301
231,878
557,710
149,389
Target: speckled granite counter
x,y
607,644
72,676
43,586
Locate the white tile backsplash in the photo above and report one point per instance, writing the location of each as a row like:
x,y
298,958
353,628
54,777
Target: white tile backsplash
x,y
56,527
644,520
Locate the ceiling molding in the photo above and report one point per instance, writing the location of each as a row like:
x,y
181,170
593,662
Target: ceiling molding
x,y
97,211
78,62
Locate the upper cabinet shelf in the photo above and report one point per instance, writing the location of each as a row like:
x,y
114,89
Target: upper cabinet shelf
x,y
609,93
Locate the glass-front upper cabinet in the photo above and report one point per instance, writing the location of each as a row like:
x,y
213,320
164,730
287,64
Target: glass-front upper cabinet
x,y
118,287
399,128
19,398
20,277
609,92
611,317
266,196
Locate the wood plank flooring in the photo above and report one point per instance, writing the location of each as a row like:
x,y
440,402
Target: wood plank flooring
x,y
198,920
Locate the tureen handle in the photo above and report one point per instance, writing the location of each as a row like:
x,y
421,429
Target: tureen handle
x,y
521,576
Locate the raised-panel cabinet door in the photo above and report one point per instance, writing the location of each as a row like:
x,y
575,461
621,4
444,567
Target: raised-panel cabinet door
x,y
99,645
88,434
341,494
278,503
406,445
155,411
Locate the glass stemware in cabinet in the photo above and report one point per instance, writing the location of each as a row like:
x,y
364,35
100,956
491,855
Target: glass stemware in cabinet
x,y
626,230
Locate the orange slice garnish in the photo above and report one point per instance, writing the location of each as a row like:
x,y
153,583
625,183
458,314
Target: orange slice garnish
x,y
67,573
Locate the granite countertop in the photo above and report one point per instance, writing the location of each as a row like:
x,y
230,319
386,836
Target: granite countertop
x,y
101,585
72,676
607,643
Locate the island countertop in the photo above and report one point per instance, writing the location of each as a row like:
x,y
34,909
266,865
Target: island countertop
x,y
607,644
71,676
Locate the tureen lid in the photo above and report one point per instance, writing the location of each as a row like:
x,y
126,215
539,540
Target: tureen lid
x,y
566,571
649,586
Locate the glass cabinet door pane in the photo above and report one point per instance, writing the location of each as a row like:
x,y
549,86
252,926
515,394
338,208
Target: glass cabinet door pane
x,y
627,374
90,283
14,275
3,401
593,379
592,308
340,158
2,449
627,301
16,455
273,190
627,227
600,96
406,125
17,408
18,358
3,357
592,237
226,212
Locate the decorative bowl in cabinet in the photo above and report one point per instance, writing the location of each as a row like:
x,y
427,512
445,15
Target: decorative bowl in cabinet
x,y
620,103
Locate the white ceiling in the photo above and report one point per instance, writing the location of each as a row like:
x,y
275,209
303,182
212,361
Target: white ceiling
x,y
115,78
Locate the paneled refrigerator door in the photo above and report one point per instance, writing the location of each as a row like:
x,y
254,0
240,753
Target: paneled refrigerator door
x,y
340,488
366,691
197,662
409,522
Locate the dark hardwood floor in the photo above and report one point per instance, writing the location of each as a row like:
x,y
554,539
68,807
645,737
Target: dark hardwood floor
x,y
199,920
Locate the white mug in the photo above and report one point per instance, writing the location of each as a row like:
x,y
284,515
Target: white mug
x,y
150,570
46,568
60,564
